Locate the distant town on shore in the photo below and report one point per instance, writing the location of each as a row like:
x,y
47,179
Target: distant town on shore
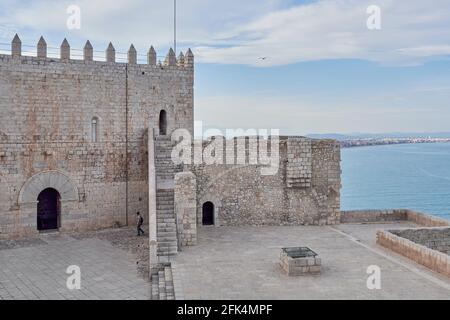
x,y
367,139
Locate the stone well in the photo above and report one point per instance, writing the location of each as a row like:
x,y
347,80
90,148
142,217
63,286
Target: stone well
x,y
300,261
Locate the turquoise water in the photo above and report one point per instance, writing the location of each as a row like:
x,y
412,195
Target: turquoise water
x,y
413,176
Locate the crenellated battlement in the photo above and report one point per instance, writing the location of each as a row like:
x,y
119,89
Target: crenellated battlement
x,y
184,60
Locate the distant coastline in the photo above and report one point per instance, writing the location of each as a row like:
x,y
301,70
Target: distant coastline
x,y
380,139
353,143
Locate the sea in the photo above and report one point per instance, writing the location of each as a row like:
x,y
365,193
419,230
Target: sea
x,y
406,176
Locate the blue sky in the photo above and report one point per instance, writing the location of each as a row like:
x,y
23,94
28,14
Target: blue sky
x,y
324,71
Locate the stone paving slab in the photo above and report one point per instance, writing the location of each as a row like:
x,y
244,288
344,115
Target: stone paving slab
x,y
39,271
243,263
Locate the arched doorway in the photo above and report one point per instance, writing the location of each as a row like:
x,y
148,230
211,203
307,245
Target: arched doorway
x,y
163,123
208,214
48,210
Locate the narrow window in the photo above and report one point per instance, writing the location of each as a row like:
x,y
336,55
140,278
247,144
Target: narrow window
x,y
94,129
163,123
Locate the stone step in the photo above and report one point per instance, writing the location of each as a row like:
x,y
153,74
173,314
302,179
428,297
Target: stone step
x,y
168,247
165,212
165,192
169,221
164,200
167,253
164,155
172,247
166,176
164,148
165,197
165,234
167,230
172,228
166,224
162,171
164,206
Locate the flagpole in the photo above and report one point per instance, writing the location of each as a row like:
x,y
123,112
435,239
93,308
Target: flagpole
x,y
175,25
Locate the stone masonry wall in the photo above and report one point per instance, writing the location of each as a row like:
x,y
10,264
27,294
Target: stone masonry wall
x,y
433,259
433,238
243,196
186,208
46,109
298,165
377,216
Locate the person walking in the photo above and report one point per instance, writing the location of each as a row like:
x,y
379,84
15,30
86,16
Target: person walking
x,y
139,222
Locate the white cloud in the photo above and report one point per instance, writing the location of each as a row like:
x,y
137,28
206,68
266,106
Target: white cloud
x,y
239,32
142,22
412,32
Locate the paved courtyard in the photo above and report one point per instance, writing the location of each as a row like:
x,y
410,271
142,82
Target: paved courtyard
x,y
36,269
242,263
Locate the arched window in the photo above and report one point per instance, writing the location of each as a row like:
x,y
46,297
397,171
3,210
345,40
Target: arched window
x,y
163,123
94,129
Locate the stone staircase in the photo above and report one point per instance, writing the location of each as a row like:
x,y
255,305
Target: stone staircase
x,y
165,215
162,284
166,228
162,287
165,168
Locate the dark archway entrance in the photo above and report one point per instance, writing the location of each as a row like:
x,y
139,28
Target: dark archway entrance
x,y
163,123
48,210
208,214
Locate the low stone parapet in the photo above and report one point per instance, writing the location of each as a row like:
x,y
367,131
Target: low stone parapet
x,y
428,257
373,216
377,216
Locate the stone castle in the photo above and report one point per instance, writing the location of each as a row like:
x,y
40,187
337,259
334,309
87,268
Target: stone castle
x,y
85,145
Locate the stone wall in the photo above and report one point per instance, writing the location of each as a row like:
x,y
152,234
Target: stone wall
x,y
377,216
46,110
373,216
433,238
186,208
243,196
426,220
433,259
298,165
